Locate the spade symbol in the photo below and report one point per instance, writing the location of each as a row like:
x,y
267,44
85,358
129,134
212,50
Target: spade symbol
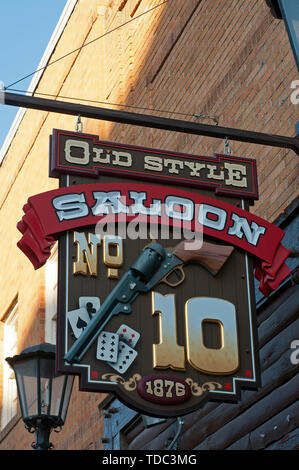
x,y
81,324
90,309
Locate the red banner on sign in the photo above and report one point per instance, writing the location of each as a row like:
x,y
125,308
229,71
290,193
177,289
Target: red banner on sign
x,y
50,213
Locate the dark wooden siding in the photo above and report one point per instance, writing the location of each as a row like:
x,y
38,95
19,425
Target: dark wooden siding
x,y
263,419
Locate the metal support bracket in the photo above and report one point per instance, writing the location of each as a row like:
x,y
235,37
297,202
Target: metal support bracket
x,y
155,122
173,444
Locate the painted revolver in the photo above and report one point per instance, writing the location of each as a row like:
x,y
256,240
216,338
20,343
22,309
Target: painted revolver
x,y
153,265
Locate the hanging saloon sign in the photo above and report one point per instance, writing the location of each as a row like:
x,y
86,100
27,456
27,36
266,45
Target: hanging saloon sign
x,y
156,255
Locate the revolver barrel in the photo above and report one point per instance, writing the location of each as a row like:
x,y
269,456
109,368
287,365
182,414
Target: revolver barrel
x,y
135,281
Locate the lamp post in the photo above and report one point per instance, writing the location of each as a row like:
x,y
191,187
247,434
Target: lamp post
x,y
44,395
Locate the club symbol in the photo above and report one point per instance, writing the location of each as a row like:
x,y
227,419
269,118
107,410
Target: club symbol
x,y
90,309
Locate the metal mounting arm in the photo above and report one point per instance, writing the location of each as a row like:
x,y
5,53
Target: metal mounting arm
x,y
145,120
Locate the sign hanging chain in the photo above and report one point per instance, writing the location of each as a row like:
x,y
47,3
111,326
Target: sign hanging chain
x,y
79,125
227,148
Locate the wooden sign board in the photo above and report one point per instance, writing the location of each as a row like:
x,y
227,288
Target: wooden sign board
x,y
72,154
156,251
180,345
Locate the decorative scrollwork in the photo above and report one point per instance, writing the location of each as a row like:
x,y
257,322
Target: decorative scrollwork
x,y
129,385
198,390
29,428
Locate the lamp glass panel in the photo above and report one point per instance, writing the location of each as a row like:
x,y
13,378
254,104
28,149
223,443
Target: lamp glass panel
x,y
26,376
47,373
57,388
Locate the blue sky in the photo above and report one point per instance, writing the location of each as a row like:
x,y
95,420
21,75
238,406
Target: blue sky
x,y
26,28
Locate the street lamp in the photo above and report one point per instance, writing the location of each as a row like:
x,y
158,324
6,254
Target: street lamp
x,y
44,395
288,10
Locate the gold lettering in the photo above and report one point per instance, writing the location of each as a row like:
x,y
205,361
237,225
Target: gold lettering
x,y
212,174
173,165
80,160
235,173
223,360
113,261
167,354
195,168
180,389
98,158
122,158
87,259
153,163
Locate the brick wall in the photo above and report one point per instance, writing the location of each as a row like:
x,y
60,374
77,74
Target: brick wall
x,y
200,56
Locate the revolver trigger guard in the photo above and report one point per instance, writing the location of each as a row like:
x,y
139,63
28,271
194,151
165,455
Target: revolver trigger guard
x,y
174,284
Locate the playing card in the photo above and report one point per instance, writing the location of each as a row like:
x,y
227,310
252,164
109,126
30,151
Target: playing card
x,y
126,356
79,320
91,304
107,346
128,335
